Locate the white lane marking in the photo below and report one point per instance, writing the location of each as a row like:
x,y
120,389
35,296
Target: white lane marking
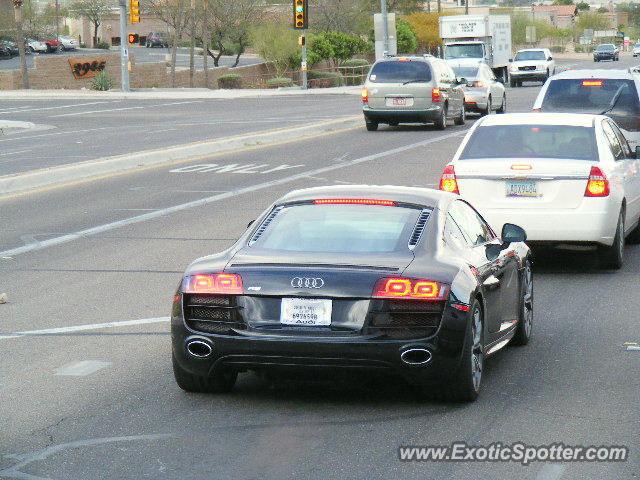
x,y
633,348
219,197
123,109
550,471
53,108
14,470
81,369
233,168
81,328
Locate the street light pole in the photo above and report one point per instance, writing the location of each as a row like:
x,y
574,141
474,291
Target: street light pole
x,y
58,21
17,5
124,51
385,26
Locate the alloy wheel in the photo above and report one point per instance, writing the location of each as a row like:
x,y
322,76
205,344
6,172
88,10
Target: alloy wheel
x,y
527,304
477,356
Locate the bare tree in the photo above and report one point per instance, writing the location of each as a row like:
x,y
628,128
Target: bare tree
x,y
173,14
230,24
94,11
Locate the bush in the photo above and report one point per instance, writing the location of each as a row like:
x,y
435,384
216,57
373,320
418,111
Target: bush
x,y
277,44
337,47
279,82
557,49
103,45
324,79
101,82
354,71
356,62
230,80
406,37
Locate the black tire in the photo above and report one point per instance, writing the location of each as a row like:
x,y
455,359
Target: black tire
x,y
513,83
371,126
634,236
525,311
503,106
220,382
613,257
462,118
441,122
464,385
489,108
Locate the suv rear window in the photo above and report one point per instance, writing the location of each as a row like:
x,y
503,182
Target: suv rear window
x,y
398,71
596,96
340,229
530,55
532,141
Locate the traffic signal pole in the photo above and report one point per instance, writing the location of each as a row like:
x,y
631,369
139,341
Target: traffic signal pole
x,y
124,50
304,60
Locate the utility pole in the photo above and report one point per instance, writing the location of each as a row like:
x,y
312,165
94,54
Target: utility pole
x,y
385,25
58,20
124,50
466,7
205,42
17,5
303,42
192,44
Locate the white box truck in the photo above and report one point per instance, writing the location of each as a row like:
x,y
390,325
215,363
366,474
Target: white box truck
x,y
477,38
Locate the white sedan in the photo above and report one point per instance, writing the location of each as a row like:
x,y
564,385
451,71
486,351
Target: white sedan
x,y
567,179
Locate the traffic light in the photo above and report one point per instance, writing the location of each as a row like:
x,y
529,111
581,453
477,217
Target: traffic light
x,y
133,38
134,11
300,18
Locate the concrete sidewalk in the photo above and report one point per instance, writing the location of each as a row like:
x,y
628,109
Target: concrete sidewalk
x,y
174,93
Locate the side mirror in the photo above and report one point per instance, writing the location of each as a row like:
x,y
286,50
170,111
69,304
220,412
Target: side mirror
x,y
510,60
513,233
549,59
462,81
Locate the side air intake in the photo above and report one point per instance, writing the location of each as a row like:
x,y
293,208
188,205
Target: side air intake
x,y
264,225
419,228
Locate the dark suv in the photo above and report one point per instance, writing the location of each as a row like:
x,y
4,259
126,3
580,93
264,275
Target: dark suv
x,y
606,51
157,39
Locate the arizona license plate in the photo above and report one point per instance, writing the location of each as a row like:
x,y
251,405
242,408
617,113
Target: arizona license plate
x,y
305,311
522,188
399,102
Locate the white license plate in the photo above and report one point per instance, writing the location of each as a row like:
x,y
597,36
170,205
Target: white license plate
x,y
399,102
305,312
522,188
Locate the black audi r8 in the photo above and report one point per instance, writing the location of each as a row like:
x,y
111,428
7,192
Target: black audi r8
x,y
401,280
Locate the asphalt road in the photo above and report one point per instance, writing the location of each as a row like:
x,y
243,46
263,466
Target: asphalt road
x,y
102,403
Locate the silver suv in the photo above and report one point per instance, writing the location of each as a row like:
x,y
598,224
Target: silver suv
x,y
412,90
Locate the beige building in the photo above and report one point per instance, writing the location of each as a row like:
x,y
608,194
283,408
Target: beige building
x,y
560,16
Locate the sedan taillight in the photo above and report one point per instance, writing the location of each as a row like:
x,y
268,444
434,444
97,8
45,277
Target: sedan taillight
x,y
598,184
448,182
221,283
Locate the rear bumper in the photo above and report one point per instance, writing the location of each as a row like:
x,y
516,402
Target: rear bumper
x,y
427,115
589,223
475,101
355,353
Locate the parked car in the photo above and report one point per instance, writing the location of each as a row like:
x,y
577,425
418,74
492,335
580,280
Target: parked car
x,y
68,43
615,93
483,93
53,45
568,179
379,279
412,90
606,51
4,52
157,39
35,46
636,49
11,47
536,64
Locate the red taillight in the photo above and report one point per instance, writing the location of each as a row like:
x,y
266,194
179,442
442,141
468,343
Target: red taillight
x,y
409,288
436,96
365,96
224,283
448,181
354,201
597,185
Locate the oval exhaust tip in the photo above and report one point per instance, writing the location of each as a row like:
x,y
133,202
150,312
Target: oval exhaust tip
x,y
416,356
199,349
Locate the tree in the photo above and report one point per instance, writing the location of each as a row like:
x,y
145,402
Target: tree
x,y
602,10
426,27
563,2
173,14
277,44
407,39
93,11
349,16
583,6
230,24
591,20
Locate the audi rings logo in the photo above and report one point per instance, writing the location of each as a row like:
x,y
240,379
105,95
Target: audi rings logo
x,y
307,282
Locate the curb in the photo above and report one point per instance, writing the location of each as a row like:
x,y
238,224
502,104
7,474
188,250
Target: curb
x,y
56,176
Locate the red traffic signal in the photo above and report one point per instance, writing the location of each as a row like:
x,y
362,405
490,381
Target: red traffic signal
x,y
133,38
300,17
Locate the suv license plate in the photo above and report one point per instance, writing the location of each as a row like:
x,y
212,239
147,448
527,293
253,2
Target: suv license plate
x,y
399,102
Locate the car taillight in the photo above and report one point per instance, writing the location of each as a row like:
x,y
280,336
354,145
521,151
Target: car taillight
x,y
598,184
224,283
410,288
448,181
355,201
436,96
365,96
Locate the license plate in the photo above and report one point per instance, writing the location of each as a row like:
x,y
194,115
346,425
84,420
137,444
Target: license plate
x,y
399,102
305,312
522,188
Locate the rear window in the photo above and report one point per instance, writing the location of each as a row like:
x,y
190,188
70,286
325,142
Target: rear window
x,y
532,141
466,72
539,55
400,72
596,96
340,229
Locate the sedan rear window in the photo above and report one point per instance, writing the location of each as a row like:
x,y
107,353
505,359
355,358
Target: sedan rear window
x,y
532,141
617,98
466,72
400,72
340,229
